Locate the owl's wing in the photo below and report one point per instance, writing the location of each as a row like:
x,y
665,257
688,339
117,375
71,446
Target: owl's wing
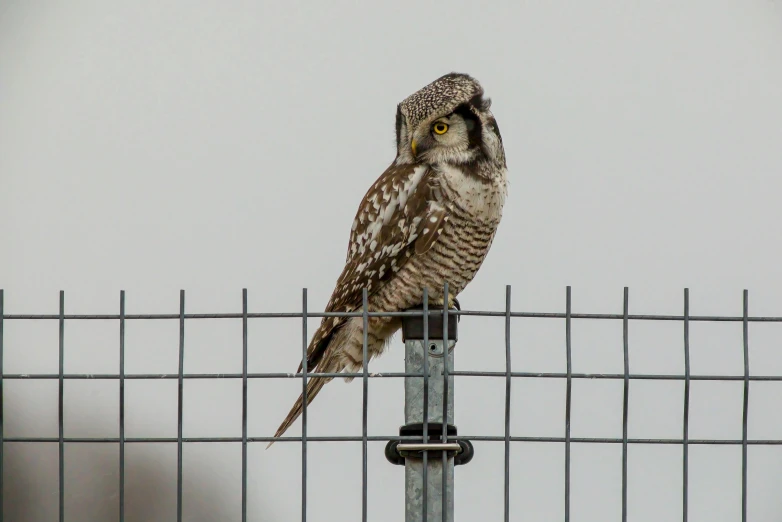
x,y
399,217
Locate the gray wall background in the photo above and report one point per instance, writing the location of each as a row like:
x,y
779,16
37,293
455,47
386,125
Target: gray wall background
x,y
152,146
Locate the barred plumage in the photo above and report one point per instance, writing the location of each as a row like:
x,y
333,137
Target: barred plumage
x,y
428,220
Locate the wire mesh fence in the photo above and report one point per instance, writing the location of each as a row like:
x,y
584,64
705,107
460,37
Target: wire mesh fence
x,y
509,375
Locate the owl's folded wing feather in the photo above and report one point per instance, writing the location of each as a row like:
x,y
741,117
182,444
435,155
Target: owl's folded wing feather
x,y
399,217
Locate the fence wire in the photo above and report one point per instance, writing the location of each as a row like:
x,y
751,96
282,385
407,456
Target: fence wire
x,y
686,319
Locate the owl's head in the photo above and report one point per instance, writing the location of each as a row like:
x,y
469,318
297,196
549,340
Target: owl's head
x,y
448,121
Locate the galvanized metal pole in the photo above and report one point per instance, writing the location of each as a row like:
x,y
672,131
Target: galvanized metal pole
x,y
429,479
414,467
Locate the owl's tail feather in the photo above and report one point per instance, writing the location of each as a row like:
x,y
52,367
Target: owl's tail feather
x,y
314,385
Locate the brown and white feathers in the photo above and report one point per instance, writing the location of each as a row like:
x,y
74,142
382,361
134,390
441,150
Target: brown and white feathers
x,y
428,220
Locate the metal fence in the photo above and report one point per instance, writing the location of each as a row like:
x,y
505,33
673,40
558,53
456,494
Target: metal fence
x,y
509,375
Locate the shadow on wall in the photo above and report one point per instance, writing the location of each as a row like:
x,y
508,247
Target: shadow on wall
x,y
91,471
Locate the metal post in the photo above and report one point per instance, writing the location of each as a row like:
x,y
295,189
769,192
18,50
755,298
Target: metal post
x,y
414,391
426,400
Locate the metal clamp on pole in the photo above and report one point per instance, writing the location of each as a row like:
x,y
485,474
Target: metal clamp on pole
x,y
428,456
397,451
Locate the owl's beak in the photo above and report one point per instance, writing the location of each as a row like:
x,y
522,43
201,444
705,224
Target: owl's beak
x,y
412,146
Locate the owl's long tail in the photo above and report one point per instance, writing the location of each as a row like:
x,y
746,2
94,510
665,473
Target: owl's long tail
x,y
332,350
314,385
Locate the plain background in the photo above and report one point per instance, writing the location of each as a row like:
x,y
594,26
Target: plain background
x,y
210,146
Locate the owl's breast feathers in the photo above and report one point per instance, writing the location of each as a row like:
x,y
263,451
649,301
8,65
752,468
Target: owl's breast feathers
x,y
479,197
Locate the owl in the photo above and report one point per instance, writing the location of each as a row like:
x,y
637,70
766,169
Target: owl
x,y
429,219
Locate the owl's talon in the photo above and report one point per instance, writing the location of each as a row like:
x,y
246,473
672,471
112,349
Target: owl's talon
x,y
452,302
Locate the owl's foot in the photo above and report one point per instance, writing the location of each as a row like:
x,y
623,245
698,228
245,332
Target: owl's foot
x,y
453,303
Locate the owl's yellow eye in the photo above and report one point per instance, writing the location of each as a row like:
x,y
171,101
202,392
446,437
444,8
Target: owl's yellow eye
x,y
440,128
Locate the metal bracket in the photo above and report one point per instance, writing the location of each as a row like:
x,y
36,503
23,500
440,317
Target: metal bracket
x,y
397,451
404,448
413,327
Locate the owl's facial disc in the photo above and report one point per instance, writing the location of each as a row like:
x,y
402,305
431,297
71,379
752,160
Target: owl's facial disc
x,y
451,138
